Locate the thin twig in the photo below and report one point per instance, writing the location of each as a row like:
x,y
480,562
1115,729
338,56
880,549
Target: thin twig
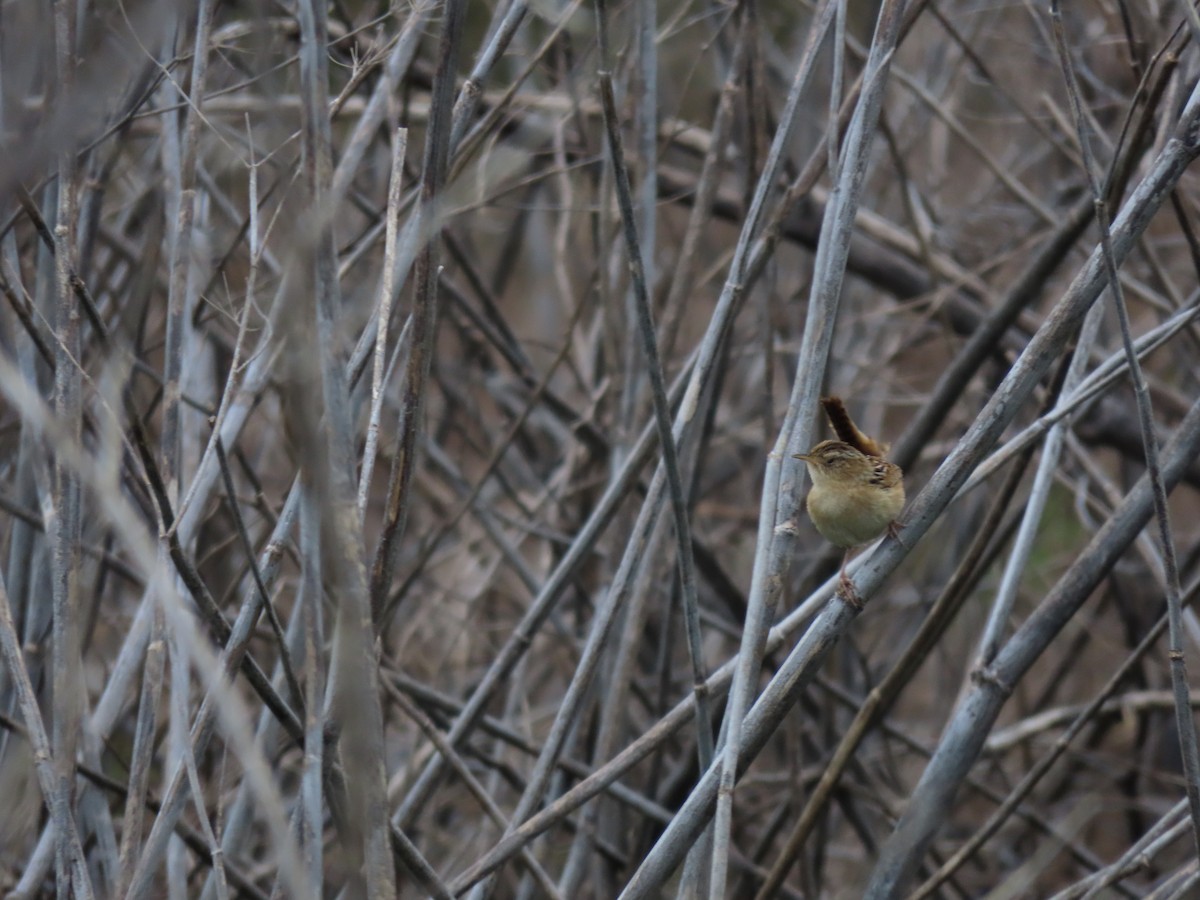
x,y
1189,746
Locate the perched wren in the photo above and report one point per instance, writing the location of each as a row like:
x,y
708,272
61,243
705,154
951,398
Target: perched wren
x,y
856,493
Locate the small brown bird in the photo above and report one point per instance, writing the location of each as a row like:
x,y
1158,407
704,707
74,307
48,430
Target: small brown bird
x,y
856,493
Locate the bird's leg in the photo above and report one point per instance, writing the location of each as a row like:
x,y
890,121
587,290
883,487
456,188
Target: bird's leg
x,y
846,588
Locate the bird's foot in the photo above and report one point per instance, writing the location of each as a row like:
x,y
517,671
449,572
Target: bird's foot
x,y
893,531
849,593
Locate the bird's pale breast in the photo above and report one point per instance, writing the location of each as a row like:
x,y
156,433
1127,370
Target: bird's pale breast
x,y
850,515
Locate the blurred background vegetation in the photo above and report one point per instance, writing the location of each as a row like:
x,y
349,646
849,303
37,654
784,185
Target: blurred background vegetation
x,y
172,209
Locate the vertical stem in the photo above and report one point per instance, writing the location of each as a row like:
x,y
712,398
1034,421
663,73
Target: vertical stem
x,y
658,392
425,300
829,270
352,697
386,297
1189,746
181,254
66,665
171,438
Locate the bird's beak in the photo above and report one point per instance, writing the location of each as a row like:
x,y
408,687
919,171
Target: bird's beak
x,y
803,456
